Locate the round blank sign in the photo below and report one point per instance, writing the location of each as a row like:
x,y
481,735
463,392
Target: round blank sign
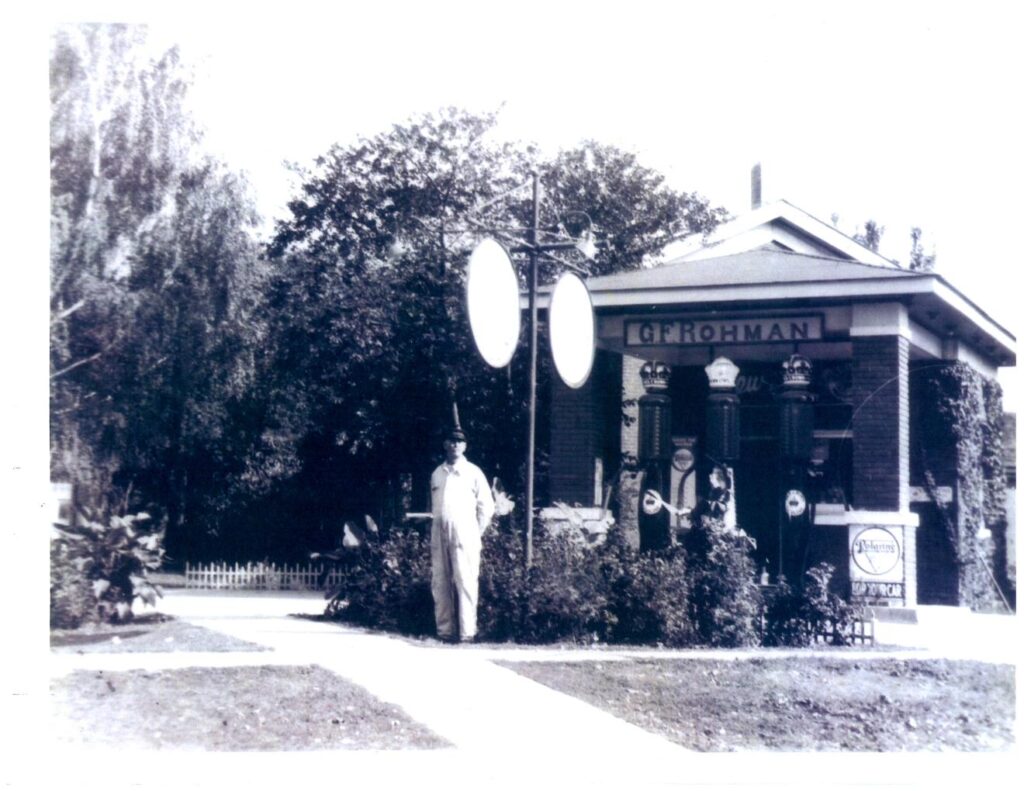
x,y
492,297
572,330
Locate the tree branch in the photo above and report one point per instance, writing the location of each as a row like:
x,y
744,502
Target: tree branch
x,y
65,313
74,365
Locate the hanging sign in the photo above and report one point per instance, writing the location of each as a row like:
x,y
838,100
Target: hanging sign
x,y
492,298
572,330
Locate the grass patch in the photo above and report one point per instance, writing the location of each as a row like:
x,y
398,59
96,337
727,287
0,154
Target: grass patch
x,y
800,704
150,633
234,708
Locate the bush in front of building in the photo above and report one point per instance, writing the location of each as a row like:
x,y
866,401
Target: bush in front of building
x,y
725,600
702,593
648,594
799,617
385,584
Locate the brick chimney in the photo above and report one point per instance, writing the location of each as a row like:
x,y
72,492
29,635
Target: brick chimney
x,y
755,186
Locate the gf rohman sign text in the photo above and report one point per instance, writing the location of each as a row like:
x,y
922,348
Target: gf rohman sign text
x,y
697,332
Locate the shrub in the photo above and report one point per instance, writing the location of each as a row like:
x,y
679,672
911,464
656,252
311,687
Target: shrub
x,y
385,583
565,596
647,594
72,601
500,609
725,601
113,558
799,617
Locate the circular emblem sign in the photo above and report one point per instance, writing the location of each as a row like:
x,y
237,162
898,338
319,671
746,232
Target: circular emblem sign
x,y
572,330
682,460
492,297
652,502
796,503
875,550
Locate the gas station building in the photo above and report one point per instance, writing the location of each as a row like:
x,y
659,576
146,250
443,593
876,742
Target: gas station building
x,y
781,349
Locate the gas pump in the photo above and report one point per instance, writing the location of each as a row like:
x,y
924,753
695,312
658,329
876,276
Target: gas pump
x,y
722,421
796,442
654,454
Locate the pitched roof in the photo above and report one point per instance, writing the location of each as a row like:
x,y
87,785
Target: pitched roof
x,y
780,222
768,266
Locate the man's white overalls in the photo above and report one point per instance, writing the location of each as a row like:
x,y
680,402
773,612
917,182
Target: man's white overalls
x,y
462,509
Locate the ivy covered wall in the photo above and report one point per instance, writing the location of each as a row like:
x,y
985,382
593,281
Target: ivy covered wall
x,y
959,443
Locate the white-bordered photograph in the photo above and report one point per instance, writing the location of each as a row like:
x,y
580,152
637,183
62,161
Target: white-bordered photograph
x,y
557,395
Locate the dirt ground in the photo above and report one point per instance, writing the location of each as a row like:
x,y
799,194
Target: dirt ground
x,y
800,704
153,633
234,708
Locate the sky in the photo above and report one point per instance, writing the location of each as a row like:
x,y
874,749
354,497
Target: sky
x,y
906,113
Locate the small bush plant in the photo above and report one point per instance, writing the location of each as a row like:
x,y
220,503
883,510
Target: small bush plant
x,y
113,558
72,601
385,583
725,600
648,594
799,617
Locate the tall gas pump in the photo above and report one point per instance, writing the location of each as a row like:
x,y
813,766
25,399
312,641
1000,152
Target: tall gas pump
x,y
722,422
796,443
654,454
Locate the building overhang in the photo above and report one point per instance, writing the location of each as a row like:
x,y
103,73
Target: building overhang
x,y
938,319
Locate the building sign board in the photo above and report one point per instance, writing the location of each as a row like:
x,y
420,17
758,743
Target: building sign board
x,y
877,571
701,332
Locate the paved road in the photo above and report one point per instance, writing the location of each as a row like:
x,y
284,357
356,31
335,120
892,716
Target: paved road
x,y
506,731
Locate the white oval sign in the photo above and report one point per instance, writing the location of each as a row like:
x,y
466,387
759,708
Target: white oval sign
x,y
492,299
571,316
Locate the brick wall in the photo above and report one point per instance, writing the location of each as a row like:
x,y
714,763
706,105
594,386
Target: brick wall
x,y
881,423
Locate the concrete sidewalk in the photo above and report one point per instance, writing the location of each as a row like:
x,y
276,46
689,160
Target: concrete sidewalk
x,y
506,730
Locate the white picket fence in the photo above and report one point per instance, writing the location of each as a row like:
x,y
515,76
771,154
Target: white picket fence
x,y
258,576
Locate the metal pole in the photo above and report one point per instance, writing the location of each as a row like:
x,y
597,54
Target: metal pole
x,y
531,438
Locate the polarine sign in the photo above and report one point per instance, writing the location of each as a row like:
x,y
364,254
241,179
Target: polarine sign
x,y
696,332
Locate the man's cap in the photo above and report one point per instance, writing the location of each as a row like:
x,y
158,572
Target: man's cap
x,y
456,433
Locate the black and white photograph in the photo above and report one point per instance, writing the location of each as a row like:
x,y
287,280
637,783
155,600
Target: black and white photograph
x,y
513,395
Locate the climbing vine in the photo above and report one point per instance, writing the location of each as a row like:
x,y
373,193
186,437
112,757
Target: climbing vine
x,y
962,423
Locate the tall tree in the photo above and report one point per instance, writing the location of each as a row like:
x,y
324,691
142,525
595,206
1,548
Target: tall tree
x,y
370,338
153,267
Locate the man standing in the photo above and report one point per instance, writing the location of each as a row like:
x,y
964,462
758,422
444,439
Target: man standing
x,y
462,508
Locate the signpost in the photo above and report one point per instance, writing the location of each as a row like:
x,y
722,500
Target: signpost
x,y
496,332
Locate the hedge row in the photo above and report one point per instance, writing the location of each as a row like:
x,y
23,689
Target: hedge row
x,y
702,592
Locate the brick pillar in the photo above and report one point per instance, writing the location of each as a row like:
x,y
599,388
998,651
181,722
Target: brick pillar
x,y
576,442
881,423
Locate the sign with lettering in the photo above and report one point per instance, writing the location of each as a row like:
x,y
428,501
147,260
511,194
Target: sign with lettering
x,y
875,551
877,571
699,332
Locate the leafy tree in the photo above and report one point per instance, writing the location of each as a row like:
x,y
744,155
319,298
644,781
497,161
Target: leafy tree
x,y
369,338
153,271
871,236
919,260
